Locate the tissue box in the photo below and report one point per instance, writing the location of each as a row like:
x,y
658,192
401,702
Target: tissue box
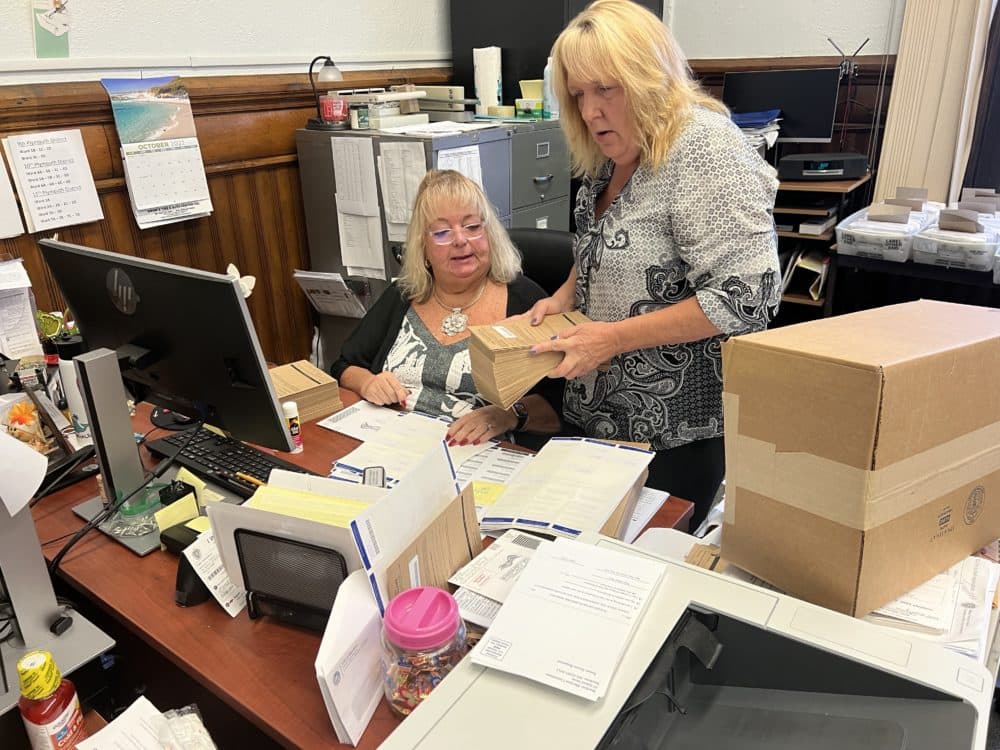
x,y
862,451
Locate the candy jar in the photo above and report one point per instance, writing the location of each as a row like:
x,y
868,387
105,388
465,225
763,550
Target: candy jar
x,y
423,638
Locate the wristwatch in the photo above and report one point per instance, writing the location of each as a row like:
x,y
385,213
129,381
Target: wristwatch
x,y
521,412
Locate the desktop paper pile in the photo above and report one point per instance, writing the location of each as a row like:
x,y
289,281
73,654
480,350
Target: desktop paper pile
x,y
503,367
760,129
160,152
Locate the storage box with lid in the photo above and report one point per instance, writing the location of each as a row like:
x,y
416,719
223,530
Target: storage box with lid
x,y
974,251
857,235
862,451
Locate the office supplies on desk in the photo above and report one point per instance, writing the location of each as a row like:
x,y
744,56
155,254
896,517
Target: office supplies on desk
x,y
360,420
420,533
494,571
720,663
313,390
349,661
220,459
548,496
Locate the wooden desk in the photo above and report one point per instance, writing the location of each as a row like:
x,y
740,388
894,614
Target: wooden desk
x,y
261,669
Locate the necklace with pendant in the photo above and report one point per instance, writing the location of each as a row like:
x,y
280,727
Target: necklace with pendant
x,y
456,321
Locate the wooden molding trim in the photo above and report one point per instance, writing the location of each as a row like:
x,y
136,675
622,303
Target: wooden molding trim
x,y
26,107
710,71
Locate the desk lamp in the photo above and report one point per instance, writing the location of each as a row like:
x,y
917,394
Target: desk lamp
x,y
327,74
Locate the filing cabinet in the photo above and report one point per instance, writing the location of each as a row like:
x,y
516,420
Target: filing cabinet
x,y
539,177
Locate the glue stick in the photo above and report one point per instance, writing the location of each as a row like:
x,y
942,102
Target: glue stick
x,y
291,410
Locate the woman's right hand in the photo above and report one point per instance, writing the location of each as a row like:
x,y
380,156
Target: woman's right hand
x,y
383,389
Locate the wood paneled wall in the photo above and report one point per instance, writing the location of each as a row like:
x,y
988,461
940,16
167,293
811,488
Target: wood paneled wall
x,y
246,126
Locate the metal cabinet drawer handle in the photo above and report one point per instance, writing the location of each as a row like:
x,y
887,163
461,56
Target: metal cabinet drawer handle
x,y
542,180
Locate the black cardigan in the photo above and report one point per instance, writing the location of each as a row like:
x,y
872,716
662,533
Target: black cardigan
x,y
369,343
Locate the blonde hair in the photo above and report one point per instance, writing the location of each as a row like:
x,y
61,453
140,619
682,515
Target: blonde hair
x,y
620,42
440,192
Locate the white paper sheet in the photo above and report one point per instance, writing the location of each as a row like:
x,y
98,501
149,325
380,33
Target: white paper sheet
x,y
497,464
165,173
203,554
384,530
402,443
18,335
23,472
360,420
53,178
10,218
361,244
402,166
138,727
494,571
465,160
13,275
442,127
475,608
649,502
354,172
570,617
348,665
549,496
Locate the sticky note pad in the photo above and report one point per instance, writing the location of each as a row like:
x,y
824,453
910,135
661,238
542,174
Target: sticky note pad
x,y
199,524
486,493
177,512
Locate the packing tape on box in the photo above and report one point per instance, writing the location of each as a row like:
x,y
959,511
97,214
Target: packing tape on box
x,y
822,487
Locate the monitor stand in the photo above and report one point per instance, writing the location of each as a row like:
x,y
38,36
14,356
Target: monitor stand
x,y
26,583
104,396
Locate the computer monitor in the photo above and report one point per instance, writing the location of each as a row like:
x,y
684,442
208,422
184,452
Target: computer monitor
x,y
183,336
806,97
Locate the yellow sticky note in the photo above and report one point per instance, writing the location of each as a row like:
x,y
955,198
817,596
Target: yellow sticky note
x,y
177,512
335,511
486,493
183,475
213,428
199,524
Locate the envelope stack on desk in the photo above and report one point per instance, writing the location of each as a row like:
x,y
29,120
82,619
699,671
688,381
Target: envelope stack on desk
x,y
503,367
314,391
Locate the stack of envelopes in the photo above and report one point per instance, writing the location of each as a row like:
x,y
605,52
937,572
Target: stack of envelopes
x,y
313,390
503,367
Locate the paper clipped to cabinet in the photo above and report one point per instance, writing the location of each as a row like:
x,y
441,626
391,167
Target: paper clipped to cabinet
x,y
570,617
330,294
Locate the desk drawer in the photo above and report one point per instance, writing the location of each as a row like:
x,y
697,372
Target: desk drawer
x,y
539,167
548,215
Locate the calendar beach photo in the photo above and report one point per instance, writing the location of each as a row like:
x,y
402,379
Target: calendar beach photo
x,y
151,109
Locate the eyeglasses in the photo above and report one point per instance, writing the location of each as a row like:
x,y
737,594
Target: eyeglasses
x,y
446,236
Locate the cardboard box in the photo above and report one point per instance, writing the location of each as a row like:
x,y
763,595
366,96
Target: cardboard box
x,y
862,451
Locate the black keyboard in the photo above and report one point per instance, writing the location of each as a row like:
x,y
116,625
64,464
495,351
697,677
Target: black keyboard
x,y
218,459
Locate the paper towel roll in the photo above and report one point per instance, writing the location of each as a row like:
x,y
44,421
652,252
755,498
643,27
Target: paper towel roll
x,y
489,84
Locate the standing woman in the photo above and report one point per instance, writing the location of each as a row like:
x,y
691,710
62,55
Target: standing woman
x,y
675,248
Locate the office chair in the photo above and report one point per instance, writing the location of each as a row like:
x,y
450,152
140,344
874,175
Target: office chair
x,y
547,253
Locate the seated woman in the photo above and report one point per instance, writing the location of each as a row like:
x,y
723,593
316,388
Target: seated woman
x,y
460,269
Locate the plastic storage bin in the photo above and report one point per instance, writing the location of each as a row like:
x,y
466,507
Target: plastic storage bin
x,y
975,251
423,638
856,235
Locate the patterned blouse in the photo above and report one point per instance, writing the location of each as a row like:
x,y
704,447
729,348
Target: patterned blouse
x,y
439,376
699,226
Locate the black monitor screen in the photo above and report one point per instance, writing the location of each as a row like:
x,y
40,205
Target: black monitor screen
x,y
184,337
807,99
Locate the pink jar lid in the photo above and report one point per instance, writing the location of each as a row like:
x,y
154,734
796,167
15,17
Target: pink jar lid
x,y
421,618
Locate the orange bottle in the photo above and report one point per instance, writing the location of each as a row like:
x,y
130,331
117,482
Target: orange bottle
x,y
49,705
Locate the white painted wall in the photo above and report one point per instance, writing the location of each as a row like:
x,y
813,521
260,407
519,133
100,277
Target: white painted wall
x,y
129,38
783,28
209,37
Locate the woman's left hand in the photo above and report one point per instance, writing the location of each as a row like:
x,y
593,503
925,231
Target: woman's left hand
x,y
586,346
480,425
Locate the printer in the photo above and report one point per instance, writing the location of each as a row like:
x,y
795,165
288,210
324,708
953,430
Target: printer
x,y
716,662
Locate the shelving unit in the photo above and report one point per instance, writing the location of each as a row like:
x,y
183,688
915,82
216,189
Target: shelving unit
x,y
844,193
